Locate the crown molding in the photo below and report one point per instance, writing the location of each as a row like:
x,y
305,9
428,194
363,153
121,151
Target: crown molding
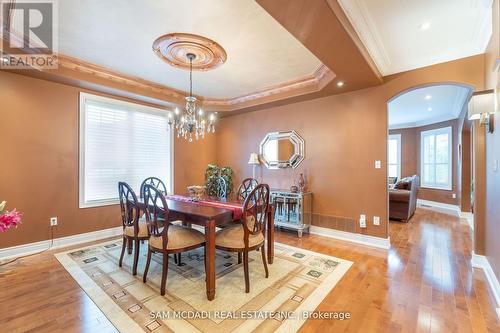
x,y
301,86
367,31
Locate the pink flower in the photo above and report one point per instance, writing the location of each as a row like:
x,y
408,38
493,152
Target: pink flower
x,y
10,219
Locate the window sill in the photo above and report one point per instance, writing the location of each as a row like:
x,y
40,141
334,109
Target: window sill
x,y
101,203
436,188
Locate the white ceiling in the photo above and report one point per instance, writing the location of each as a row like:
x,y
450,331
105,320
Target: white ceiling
x,y
391,30
411,109
119,34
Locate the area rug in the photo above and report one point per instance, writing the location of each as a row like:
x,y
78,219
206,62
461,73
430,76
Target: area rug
x,y
298,281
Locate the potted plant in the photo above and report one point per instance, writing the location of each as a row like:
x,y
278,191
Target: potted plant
x,y
8,219
213,173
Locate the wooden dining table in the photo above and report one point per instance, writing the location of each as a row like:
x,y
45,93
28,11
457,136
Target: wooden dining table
x,y
209,217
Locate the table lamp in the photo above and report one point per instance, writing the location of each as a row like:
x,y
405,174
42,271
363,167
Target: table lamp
x,y
254,161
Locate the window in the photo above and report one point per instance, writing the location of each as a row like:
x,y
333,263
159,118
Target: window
x,y
436,158
394,156
120,141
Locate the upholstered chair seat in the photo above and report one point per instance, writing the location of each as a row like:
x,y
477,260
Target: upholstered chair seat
x,y
179,237
233,237
143,229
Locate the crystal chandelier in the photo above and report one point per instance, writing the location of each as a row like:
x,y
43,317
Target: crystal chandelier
x,y
191,121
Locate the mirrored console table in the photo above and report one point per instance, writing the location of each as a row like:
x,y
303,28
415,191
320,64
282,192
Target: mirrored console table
x,y
292,210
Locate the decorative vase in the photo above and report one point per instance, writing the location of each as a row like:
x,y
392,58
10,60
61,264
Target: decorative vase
x,y
302,183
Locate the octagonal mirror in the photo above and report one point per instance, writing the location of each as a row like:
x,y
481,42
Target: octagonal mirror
x,y
279,150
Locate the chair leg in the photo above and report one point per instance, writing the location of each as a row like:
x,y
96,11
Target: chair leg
x,y
179,262
146,269
239,257
245,268
264,261
164,274
130,247
124,245
175,259
136,256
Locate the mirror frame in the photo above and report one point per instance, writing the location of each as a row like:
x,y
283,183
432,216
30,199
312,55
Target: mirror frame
x,y
297,157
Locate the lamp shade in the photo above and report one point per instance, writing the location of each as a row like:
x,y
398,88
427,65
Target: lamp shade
x,y
480,105
254,159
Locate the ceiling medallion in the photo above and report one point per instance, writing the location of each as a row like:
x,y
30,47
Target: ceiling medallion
x,y
173,49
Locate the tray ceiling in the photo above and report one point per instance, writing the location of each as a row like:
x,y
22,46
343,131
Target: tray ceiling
x,y
404,35
119,35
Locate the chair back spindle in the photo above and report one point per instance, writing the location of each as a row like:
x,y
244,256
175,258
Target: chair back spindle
x,y
247,185
155,182
156,212
255,209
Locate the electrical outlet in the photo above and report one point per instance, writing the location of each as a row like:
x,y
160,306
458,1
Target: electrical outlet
x,y
53,221
454,195
378,165
362,221
376,220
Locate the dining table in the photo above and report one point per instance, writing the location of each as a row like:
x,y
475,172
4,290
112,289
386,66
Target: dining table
x,y
211,213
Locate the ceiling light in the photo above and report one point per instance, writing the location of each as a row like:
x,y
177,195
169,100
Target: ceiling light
x,y
429,109
425,25
340,83
428,97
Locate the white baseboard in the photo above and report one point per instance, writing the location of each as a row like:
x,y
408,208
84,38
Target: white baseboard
x,y
381,243
439,207
478,261
469,217
25,249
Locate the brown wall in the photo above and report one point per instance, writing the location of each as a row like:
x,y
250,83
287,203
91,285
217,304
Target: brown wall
x,y
339,164
410,160
492,214
39,161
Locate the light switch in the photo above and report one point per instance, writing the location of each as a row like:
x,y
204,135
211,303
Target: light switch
x,y
495,166
378,164
454,195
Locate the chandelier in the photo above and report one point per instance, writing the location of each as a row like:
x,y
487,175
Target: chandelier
x,y
191,121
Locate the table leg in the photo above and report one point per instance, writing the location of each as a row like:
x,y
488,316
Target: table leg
x,y
270,236
210,259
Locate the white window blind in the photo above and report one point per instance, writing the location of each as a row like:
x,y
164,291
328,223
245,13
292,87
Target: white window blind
x,y
394,156
436,158
120,141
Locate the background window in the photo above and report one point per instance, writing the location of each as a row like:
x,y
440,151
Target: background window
x,y
394,156
436,158
120,141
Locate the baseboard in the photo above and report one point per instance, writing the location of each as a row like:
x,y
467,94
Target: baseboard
x,y
381,243
478,261
439,207
469,217
30,248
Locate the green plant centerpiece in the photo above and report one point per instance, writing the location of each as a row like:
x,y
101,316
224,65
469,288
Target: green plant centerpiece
x,y
212,175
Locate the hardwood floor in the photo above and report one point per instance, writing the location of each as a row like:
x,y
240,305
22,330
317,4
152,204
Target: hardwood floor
x,y
424,283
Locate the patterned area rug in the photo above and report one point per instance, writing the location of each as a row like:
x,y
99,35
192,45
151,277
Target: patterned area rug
x,y
298,281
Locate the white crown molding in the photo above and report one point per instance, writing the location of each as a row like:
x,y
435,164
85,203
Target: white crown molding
x,y
381,243
478,261
25,249
362,22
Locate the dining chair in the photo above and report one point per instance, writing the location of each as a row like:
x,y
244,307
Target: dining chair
x,y
154,181
135,229
221,187
247,185
249,235
166,238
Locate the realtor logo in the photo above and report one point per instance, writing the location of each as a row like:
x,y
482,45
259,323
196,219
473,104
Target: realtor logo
x,y
29,39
